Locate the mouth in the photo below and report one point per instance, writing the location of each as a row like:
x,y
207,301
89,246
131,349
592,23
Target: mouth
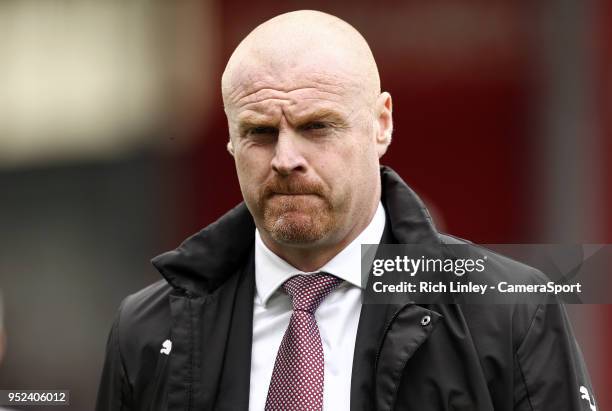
x,y
294,199
292,194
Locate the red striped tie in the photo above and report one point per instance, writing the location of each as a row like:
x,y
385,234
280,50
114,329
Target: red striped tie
x,y
297,379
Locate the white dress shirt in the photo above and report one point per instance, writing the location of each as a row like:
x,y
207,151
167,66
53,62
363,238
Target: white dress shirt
x,y
337,317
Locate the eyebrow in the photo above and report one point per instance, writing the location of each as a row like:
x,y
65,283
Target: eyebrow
x,y
319,114
322,114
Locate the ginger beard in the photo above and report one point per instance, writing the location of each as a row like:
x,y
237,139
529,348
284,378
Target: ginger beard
x,y
296,211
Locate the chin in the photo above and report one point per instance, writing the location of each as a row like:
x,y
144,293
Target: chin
x,y
297,230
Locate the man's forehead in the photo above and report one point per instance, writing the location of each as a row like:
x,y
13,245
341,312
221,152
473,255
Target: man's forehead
x,y
254,87
322,73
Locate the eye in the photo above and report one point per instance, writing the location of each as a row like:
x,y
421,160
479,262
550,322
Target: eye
x,y
315,125
262,130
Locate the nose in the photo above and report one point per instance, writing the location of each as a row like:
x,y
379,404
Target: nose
x,y
287,155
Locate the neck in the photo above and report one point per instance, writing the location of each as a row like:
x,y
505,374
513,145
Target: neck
x,y
312,257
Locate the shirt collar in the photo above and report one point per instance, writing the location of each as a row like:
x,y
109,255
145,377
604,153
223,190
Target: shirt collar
x,y
271,271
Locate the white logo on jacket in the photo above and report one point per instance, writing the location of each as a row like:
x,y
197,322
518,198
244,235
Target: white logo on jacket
x,y
166,347
585,396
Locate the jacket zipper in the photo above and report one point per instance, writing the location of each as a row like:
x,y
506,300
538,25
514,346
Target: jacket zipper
x,y
387,327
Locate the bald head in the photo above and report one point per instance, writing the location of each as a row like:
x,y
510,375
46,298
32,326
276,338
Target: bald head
x,y
297,43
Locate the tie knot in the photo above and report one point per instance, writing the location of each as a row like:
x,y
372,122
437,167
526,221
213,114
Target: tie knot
x,y
308,291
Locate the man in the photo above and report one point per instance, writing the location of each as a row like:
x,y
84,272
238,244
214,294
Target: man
x,y
263,308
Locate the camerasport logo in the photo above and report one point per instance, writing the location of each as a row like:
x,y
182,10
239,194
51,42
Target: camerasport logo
x,y
166,347
585,396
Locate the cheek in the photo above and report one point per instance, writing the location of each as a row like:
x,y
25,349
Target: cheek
x,y
350,158
355,166
252,169
338,166
242,167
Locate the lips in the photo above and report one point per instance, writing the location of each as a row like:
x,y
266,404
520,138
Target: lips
x,y
291,194
294,194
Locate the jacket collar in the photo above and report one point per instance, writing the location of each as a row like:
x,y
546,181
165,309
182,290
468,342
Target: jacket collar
x,y
206,259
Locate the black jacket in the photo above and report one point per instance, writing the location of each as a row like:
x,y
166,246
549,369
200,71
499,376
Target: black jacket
x,y
467,358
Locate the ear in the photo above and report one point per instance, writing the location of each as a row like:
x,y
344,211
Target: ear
x,y
383,112
230,147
